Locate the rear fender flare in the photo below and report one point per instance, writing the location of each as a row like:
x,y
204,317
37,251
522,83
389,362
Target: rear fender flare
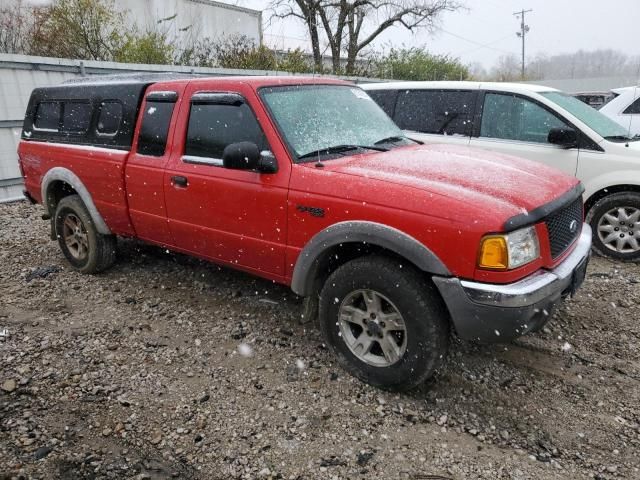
x,y
67,176
372,233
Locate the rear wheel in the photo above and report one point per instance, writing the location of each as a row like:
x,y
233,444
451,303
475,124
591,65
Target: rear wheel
x,y
615,220
87,250
385,323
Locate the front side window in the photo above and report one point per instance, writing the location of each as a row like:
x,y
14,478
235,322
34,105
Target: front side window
x,y
315,118
510,117
48,116
633,109
441,112
76,117
213,127
155,128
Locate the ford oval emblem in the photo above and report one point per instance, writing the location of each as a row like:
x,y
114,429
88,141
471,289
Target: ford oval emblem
x,y
573,226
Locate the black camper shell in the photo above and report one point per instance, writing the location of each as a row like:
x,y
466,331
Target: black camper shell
x,y
93,111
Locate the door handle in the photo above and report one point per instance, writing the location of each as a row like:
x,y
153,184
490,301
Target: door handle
x,y
179,181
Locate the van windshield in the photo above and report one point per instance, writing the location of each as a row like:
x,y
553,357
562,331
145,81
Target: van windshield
x,y
595,120
330,120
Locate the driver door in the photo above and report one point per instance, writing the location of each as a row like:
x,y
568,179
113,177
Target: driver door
x,y
237,217
514,125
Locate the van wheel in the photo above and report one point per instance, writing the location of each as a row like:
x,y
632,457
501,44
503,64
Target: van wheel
x,y
386,324
86,250
615,220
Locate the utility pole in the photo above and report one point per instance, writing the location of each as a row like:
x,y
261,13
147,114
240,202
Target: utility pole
x,y
524,29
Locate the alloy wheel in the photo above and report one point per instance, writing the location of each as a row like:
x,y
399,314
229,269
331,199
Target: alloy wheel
x,y
372,328
75,236
619,229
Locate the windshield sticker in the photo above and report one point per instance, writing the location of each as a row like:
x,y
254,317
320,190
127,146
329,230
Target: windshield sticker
x,y
360,94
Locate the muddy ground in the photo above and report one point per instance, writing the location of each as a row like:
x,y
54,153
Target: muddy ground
x,y
168,367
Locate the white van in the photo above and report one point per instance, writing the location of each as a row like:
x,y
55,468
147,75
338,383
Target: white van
x,y
538,123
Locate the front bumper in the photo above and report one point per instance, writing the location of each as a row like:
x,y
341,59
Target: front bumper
x,y
496,313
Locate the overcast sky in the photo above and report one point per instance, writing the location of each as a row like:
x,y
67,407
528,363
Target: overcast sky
x,y
487,29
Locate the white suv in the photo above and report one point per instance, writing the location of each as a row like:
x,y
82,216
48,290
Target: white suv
x,y
625,108
538,123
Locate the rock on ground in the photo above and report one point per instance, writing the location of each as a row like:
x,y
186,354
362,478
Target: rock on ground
x,y
138,373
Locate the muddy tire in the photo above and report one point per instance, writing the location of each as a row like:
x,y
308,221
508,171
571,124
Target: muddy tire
x,y
385,323
87,250
615,220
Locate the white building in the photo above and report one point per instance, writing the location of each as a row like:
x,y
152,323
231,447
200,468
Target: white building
x,y
194,18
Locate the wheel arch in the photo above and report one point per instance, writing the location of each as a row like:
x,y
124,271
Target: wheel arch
x,y
59,182
606,191
344,241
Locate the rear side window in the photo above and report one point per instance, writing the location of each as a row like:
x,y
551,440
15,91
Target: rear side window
x,y
155,127
386,99
110,118
440,112
212,127
76,117
509,117
48,116
633,109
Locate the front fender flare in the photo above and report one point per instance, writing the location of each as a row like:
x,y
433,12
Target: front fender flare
x,y
67,176
371,233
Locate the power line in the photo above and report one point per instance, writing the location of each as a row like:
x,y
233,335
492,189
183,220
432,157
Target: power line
x,y
485,45
480,45
524,29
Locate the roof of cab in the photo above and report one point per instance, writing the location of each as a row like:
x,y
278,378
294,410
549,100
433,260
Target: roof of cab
x,y
446,85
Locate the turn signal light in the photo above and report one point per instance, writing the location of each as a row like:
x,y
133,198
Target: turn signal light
x,y
494,254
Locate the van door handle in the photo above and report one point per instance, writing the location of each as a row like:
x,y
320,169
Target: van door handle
x,y
179,181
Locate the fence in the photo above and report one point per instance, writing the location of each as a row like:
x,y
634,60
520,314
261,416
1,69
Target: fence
x,y
20,74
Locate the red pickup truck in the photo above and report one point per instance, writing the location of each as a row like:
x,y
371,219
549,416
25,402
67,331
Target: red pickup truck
x,y
306,182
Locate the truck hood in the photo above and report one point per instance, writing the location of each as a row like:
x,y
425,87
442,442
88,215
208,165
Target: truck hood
x,y
489,180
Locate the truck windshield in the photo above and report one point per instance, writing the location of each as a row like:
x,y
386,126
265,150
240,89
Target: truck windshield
x,y
595,120
323,120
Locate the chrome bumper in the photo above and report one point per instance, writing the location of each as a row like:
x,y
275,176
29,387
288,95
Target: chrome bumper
x,y
492,312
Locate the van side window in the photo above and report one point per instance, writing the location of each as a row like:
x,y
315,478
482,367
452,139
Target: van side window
x,y
110,118
155,128
48,116
212,127
386,99
511,117
633,109
443,112
76,117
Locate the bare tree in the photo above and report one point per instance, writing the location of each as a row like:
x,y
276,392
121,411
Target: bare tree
x,y
17,24
350,26
507,69
308,12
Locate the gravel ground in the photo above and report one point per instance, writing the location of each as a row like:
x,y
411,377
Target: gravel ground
x,y
168,367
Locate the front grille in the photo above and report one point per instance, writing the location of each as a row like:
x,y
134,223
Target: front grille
x,y
562,229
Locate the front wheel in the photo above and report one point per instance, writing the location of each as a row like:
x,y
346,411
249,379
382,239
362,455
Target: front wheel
x,y
615,220
385,323
87,250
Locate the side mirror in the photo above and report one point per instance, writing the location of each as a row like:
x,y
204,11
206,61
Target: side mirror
x,y
241,156
268,162
563,137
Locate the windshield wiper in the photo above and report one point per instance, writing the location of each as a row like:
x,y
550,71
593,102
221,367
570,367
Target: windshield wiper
x,y
396,138
340,149
623,138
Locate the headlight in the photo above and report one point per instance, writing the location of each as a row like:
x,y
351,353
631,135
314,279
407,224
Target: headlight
x,y
509,251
